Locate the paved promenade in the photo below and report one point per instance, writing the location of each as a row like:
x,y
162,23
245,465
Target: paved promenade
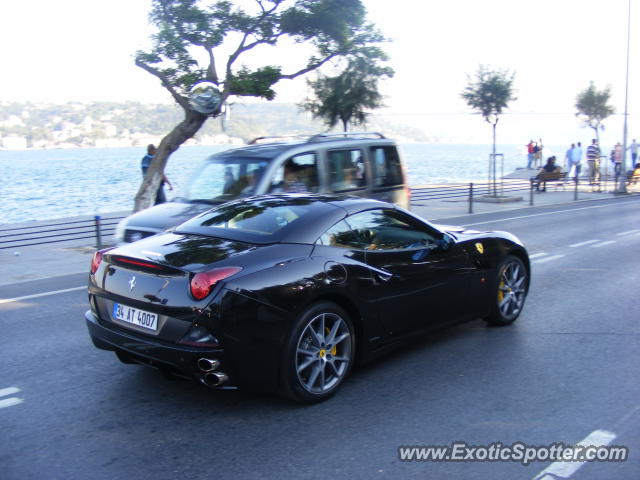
x,y
57,259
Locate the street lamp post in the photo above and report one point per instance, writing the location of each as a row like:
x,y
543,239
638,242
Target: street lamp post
x,y
622,187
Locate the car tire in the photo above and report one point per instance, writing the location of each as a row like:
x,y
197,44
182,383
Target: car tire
x,y
319,353
509,292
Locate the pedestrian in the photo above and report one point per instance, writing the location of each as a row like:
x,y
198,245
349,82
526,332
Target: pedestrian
x,y
530,155
568,156
577,160
537,153
145,164
634,153
617,158
593,160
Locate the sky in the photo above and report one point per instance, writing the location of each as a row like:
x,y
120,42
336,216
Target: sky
x,y
82,50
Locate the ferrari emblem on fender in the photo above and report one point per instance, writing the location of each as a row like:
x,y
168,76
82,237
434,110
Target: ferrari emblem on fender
x,y
132,283
480,248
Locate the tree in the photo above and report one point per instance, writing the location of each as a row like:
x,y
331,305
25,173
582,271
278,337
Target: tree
x,y
347,97
593,108
193,36
490,93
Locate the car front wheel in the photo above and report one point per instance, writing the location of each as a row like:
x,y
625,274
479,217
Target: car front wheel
x,y
319,353
510,292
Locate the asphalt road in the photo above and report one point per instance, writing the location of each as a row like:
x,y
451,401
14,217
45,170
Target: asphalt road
x,y
566,371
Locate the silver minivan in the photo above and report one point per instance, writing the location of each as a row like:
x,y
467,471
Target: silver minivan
x,y
363,164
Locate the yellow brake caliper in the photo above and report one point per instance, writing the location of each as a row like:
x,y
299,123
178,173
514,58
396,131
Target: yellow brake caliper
x,y
500,292
334,349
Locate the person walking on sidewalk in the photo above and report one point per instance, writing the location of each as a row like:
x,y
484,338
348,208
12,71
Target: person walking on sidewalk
x,y
568,156
537,153
593,160
144,165
530,154
634,153
617,158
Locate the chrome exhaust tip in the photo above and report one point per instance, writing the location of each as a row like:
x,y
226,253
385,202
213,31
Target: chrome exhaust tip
x,y
208,365
214,379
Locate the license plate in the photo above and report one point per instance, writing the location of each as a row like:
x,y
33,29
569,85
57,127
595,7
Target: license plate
x,y
135,316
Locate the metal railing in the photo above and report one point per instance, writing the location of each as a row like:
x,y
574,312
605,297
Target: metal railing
x,y
61,231
469,191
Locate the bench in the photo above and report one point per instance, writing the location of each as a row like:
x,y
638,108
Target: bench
x,y
558,177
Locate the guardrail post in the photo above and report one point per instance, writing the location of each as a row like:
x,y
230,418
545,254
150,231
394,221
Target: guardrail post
x,y
531,193
98,236
471,197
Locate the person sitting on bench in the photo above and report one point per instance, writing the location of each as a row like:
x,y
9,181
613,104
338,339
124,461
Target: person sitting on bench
x,y
545,174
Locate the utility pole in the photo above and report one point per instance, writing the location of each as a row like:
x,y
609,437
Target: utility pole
x,y
622,187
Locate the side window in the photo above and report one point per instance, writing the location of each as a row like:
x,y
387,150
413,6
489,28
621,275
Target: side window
x,y
389,230
297,174
387,170
346,170
343,236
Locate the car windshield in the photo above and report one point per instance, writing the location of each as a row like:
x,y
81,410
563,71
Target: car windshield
x,y
223,179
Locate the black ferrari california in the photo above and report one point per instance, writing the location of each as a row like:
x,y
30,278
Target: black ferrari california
x,y
288,292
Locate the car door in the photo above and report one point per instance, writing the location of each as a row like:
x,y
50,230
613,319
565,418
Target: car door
x,y
420,276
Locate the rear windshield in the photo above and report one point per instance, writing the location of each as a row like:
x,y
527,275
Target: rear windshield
x,y
259,218
223,179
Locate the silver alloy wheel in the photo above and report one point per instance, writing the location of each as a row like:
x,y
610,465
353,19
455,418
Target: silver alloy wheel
x,y
512,289
323,353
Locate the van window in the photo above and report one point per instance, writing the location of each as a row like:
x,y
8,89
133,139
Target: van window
x,y
346,170
387,169
297,174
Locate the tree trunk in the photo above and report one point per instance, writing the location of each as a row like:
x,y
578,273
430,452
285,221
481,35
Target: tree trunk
x,y
186,129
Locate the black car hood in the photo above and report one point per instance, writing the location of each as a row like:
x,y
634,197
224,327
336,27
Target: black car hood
x,y
165,215
463,234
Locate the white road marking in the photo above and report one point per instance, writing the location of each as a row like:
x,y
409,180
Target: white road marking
x,y
536,255
38,295
11,401
603,244
548,259
564,470
543,214
582,244
8,391
627,232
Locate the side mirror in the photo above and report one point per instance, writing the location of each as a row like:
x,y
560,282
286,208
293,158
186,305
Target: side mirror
x,y
446,241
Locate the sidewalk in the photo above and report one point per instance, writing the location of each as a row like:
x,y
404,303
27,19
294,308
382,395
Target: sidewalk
x,y
53,260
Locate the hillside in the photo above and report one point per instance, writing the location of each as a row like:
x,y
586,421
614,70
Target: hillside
x,y
107,124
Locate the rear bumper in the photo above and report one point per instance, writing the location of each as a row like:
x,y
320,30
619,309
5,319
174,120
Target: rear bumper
x,y
182,360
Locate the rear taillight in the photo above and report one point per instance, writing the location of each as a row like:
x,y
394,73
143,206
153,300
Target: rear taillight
x,y
202,283
97,259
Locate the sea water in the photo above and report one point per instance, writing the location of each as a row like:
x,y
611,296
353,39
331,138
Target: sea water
x,y
47,184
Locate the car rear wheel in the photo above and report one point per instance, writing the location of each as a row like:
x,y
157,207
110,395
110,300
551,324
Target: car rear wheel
x,y
319,353
510,292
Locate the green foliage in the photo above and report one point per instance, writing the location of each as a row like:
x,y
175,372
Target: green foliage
x,y
593,106
184,27
255,83
347,96
490,92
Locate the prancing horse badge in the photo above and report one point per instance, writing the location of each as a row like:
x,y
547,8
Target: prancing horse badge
x,y
480,248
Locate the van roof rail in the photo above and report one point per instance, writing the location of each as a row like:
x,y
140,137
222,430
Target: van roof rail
x,y
322,136
267,138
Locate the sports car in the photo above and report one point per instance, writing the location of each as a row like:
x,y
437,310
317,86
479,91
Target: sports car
x,y
288,292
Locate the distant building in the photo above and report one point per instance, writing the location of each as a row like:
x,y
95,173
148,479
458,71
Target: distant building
x,y
13,142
